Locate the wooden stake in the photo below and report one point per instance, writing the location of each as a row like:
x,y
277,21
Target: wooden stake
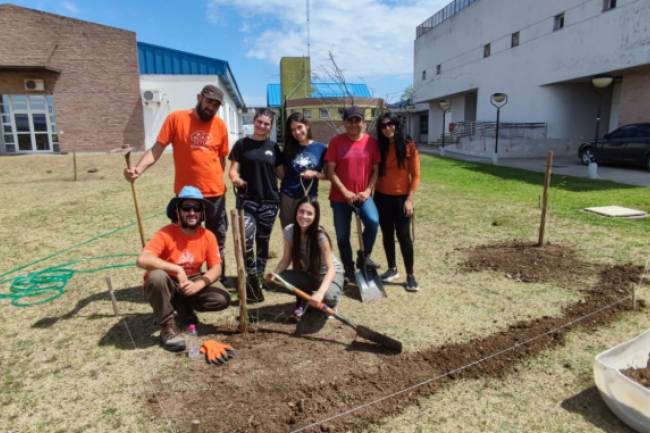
x,y
241,273
74,164
547,183
634,304
111,293
195,426
127,157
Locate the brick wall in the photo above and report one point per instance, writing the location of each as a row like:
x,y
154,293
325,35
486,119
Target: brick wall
x,y
97,91
635,97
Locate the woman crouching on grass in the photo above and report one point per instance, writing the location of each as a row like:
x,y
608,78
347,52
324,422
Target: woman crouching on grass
x,y
314,267
399,176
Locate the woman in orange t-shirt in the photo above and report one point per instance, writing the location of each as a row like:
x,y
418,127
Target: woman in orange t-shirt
x,y
399,176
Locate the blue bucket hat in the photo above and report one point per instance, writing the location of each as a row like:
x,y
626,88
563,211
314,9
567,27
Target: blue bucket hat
x,y
188,192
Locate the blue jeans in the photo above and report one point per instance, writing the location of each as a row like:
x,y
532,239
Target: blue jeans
x,y
342,218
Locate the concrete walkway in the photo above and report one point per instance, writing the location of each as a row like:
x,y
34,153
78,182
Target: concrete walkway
x,y
561,165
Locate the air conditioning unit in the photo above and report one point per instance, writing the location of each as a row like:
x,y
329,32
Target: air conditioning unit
x,y
152,96
34,85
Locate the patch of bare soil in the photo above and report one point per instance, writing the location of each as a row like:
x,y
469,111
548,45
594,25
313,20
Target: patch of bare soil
x,y
281,383
641,375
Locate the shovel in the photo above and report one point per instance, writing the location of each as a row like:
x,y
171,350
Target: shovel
x,y
371,288
362,331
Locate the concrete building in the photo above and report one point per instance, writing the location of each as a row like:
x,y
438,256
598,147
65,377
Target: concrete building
x,y
171,79
543,55
66,84
322,103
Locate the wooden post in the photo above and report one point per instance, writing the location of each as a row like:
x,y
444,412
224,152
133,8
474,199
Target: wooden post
x,y
127,157
547,183
74,164
634,304
241,273
109,283
195,426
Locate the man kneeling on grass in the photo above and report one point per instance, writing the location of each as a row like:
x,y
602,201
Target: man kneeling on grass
x,y
173,259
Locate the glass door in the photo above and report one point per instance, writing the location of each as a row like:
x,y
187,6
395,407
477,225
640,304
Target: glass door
x,y
32,123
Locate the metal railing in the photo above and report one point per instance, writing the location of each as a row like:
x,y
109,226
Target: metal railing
x,y
442,15
506,129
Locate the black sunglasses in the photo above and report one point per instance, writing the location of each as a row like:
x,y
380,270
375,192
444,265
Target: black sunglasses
x,y
387,124
188,207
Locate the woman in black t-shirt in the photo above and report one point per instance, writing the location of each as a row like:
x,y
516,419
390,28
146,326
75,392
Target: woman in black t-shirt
x,y
255,165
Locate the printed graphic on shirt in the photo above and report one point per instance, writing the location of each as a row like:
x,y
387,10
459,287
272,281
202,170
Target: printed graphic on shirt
x,y
186,261
200,140
304,161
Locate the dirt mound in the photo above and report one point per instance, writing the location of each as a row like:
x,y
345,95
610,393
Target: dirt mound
x,y
281,383
530,263
641,375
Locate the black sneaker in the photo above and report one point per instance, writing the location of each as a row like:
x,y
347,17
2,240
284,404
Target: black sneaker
x,y
411,284
368,262
349,278
390,275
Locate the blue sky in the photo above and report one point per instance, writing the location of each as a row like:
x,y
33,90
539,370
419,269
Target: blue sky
x,y
372,41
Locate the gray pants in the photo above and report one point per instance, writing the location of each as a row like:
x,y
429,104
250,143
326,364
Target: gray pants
x,y
164,295
287,209
307,283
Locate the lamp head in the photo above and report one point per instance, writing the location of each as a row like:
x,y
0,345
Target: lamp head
x,y
444,104
602,81
499,99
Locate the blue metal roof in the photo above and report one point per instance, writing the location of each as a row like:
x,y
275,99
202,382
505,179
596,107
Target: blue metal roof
x,y
320,90
157,60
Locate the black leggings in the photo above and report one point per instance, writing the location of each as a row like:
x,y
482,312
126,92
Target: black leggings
x,y
392,219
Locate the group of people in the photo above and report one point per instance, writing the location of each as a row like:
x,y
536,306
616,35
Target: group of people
x,y
375,178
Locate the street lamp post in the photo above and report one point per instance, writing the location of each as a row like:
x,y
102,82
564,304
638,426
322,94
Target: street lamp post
x,y
444,105
498,100
599,82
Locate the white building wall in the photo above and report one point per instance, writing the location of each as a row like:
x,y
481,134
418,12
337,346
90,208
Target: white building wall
x,y
591,42
179,93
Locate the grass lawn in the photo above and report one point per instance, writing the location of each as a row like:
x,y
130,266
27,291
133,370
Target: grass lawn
x,y
70,366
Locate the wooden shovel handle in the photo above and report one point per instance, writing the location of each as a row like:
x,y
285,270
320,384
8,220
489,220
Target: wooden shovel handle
x,y
299,293
359,230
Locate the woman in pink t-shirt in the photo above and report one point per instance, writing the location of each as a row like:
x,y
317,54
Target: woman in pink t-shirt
x,y
352,160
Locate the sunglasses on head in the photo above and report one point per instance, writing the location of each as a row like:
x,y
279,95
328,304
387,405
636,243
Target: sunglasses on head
x,y
188,207
387,124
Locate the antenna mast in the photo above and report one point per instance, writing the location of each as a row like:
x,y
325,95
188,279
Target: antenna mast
x,y
308,32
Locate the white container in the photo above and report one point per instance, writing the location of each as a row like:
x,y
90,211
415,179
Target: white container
x,y
592,170
628,399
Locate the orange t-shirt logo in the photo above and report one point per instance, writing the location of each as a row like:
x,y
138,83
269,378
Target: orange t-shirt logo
x,y
200,139
186,261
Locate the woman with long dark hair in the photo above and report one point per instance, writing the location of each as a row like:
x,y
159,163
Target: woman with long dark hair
x,y
399,177
255,165
303,162
308,250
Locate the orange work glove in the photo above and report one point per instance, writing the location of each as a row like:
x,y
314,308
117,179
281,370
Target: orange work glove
x,y
217,352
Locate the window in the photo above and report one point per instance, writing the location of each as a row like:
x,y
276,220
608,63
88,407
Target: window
x,y
373,113
438,69
486,50
514,40
424,124
324,113
28,123
608,5
558,22
306,113
424,74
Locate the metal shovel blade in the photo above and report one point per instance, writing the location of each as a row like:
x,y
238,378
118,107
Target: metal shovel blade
x,y
370,288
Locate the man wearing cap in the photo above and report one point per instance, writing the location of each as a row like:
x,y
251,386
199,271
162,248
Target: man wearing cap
x,y
200,142
352,160
173,259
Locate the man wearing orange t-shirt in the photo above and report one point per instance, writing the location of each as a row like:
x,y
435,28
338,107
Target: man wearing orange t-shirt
x,y
200,142
173,259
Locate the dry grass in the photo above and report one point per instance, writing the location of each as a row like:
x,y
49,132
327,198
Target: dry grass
x,y
70,366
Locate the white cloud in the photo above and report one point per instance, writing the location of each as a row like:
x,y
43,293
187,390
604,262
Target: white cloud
x,y
366,37
70,6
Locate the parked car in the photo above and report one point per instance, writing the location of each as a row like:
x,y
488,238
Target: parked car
x,y
629,144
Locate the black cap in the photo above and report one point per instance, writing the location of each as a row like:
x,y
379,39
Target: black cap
x,y
353,111
211,92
